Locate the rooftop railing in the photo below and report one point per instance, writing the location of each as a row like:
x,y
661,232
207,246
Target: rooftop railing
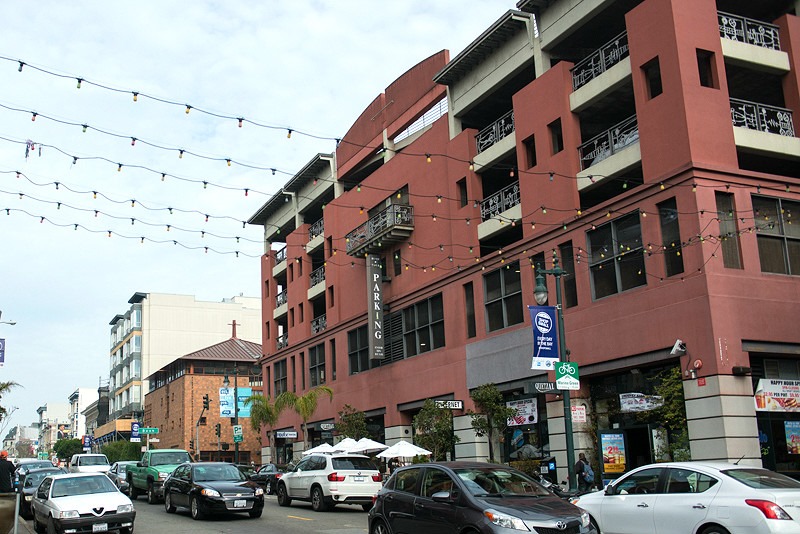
x,y
496,131
600,61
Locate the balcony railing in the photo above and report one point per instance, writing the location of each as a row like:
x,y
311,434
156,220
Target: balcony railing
x,y
318,276
600,61
769,119
281,299
318,324
496,131
609,142
748,31
506,198
280,255
381,226
282,341
316,229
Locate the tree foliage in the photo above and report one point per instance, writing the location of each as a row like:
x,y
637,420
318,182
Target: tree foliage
x,y
5,387
123,450
352,423
492,414
305,405
434,427
668,384
65,448
264,415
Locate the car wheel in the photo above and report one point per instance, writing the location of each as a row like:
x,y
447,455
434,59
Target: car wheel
x,y
318,503
715,529
152,498
168,503
51,526
283,496
594,525
378,527
255,514
133,493
37,527
197,509
268,487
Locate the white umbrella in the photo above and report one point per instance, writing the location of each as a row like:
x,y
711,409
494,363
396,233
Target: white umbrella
x,y
367,445
345,445
323,447
403,449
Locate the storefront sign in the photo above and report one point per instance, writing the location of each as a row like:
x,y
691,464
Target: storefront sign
x,y
327,426
450,404
286,434
375,307
527,412
639,402
792,436
613,446
578,414
545,339
774,395
545,387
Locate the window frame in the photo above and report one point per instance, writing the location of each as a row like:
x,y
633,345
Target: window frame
x,y
505,298
617,251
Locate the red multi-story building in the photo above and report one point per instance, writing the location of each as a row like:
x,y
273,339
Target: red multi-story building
x,y
649,144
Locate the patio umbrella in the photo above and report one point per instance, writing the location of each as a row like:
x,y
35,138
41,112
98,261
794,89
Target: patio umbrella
x,y
345,445
366,446
403,449
323,447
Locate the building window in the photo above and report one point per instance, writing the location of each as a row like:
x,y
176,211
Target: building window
x,y
556,136
136,318
280,383
333,359
294,377
423,326
671,237
616,258
462,192
530,151
330,297
652,78
300,310
568,281
707,69
503,297
302,371
316,364
396,263
469,305
358,350
728,231
778,238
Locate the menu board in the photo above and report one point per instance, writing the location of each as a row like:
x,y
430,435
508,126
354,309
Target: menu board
x,y
774,395
613,446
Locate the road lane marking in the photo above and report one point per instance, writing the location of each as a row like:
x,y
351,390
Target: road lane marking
x,y
298,517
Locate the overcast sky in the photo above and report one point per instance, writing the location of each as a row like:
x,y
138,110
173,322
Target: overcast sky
x,y
309,66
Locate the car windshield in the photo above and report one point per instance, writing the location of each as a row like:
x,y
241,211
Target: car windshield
x,y
762,478
169,458
483,481
210,473
35,465
122,469
33,479
92,460
353,463
65,487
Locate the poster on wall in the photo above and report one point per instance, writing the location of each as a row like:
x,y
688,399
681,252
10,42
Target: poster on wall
x,y
773,395
527,412
613,446
792,436
639,402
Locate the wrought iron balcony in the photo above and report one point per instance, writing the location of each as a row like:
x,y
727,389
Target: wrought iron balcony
x,y
609,142
282,341
391,225
280,255
317,276
748,31
281,299
316,229
318,324
769,119
496,131
506,198
600,61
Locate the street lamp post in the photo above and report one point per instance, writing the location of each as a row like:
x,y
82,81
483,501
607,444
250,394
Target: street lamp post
x,y
540,295
227,383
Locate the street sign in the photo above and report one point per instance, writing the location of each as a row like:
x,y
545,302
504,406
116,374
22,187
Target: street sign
x,y
238,436
578,414
154,440
450,404
146,430
567,376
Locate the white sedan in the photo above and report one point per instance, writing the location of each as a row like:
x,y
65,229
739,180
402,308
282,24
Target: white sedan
x,y
696,498
81,502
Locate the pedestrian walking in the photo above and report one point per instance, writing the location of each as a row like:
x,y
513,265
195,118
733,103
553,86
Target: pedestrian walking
x,y
6,473
584,473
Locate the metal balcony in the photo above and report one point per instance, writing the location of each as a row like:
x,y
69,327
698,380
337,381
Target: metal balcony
x,y
392,225
280,255
750,31
609,142
494,205
318,324
281,299
496,131
317,276
282,341
600,61
316,229
768,119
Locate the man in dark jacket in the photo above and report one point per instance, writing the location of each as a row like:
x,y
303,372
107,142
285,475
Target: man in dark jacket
x,y
6,473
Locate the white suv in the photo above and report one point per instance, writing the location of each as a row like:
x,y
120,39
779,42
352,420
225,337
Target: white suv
x,y
89,463
329,479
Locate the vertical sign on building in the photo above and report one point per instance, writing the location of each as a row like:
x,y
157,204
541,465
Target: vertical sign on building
x,y
2,351
375,307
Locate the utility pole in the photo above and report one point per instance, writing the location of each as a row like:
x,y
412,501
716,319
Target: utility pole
x,y
206,404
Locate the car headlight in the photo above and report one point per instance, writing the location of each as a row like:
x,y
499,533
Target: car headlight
x,y
163,475
29,497
584,518
208,492
505,520
68,514
259,491
124,508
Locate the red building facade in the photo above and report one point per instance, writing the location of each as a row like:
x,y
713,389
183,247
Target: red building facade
x,y
650,145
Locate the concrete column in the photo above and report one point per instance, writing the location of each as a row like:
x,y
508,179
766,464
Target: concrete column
x,y
471,447
396,433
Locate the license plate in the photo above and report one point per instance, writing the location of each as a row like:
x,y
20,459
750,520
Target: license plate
x,y
100,527
239,503
358,479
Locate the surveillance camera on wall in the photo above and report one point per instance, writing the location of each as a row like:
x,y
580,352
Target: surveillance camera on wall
x,y
679,348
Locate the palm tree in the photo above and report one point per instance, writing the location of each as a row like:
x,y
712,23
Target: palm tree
x,y
304,405
5,387
263,414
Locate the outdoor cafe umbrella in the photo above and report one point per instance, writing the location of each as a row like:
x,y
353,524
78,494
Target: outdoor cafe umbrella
x,y
403,449
323,447
366,446
345,445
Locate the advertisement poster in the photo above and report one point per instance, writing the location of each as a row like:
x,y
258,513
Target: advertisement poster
x,y
792,436
527,412
774,395
639,402
545,338
226,408
613,446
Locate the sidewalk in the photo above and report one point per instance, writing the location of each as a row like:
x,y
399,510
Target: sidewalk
x,y
22,527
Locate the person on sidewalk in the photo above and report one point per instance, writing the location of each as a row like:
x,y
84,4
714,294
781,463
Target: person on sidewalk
x,y
6,473
584,474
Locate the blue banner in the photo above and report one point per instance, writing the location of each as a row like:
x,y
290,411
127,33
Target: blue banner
x,y
545,337
226,408
2,352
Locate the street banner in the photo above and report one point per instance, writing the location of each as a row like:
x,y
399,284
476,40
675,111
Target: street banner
x,y
774,395
545,338
613,446
527,412
135,437
2,352
375,307
244,394
226,407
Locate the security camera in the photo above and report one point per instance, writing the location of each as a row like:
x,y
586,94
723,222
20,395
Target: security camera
x,y
679,348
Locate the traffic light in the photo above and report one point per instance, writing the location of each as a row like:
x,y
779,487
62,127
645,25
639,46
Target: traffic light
x,y
218,429
191,444
206,402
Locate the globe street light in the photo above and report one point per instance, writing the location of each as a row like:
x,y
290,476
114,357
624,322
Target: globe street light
x,y
540,295
12,323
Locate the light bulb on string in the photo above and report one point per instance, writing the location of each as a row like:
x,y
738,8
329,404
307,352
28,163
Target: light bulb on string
x,y
180,153
188,108
163,176
241,120
135,96
21,64
33,116
289,134
229,162
79,82
428,158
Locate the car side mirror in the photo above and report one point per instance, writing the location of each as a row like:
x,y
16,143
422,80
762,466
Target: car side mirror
x,y
139,464
442,496
609,490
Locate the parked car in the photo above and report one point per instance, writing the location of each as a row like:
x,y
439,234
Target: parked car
x,y
267,476
89,463
119,473
246,469
696,497
148,474
471,496
25,465
28,488
212,488
329,479
81,502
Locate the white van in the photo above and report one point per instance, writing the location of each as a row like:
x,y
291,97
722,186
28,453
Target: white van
x,y
89,463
